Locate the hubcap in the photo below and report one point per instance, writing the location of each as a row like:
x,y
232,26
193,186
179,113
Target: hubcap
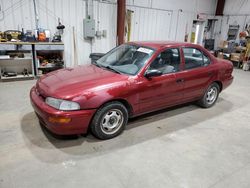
x,y
211,95
112,121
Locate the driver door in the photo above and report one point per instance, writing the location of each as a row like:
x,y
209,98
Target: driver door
x,y
164,90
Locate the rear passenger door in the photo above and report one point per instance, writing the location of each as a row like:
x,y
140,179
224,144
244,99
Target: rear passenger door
x,y
197,73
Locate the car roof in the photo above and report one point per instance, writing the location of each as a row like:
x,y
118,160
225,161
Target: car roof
x,y
162,44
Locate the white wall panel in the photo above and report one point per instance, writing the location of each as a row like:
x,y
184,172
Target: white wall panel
x,y
17,14
197,6
222,25
237,7
150,24
152,20
236,12
206,6
20,13
143,3
166,19
184,25
107,21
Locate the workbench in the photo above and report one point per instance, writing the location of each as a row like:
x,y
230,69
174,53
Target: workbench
x,y
31,51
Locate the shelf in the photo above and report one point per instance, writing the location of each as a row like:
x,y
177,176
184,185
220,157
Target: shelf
x,y
18,77
55,67
29,61
25,58
25,43
46,70
49,47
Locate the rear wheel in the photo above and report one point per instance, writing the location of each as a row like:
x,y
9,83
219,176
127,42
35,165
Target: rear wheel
x,y
210,96
109,121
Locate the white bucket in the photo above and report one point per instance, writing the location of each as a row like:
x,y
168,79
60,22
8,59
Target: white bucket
x,y
246,66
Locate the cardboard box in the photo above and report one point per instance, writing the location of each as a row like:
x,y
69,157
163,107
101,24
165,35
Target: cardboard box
x,y
223,44
236,57
240,48
220,55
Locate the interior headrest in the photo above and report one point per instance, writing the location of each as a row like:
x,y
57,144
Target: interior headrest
x,y
167,54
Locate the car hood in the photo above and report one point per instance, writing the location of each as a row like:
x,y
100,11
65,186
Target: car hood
x,y
71,82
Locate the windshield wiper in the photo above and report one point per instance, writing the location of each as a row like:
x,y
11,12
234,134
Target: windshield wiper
x,y
106,67
112,69
96,64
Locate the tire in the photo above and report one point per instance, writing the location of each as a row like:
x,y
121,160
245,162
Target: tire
x,y
109,121
210,96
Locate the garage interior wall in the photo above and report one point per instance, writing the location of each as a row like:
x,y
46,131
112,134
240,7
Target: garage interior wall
x,y
151,20
236,12
19,14
166,19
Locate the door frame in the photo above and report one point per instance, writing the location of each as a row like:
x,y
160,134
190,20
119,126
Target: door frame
x,y
174,75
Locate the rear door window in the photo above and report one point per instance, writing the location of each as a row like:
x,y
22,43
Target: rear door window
x,y
194,58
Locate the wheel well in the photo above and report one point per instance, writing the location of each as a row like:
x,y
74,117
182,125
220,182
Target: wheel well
x,y
220,84
125,103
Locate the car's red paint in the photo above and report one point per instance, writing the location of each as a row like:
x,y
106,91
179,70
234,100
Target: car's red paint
x,y
92,87
79,119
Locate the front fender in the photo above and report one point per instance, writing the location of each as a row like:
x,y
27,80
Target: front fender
x,y
96,97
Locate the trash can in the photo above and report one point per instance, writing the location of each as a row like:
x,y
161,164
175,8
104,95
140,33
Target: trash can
x,y
95,56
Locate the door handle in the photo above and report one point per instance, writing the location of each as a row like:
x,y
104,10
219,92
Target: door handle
x,y
180,80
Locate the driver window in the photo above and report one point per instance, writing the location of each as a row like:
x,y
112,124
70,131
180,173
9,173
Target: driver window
x,y
167,61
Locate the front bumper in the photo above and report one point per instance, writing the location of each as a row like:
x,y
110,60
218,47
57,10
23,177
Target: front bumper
x,y
79,123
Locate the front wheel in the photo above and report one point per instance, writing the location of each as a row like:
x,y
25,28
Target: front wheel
x,y
210,96
109,121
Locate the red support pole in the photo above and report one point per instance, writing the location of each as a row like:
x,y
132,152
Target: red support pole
x,y
121,13
220,7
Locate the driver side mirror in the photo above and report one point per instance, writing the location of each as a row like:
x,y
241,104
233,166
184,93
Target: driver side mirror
x,y
152,73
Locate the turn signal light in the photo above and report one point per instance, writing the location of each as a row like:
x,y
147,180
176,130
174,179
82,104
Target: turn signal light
x,y
59,119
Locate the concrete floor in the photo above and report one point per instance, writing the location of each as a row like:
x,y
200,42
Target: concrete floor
x,y
181,147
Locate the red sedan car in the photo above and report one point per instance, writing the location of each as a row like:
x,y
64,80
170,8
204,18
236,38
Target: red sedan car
x,y
130,80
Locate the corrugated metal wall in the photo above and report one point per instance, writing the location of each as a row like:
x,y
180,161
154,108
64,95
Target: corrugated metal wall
x,y
20,13
181,14
236,12
184,25
156,24
150,24
151,20
237,7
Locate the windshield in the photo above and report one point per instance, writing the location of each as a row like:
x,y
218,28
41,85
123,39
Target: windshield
x,y
127,59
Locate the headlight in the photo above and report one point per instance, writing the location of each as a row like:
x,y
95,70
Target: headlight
x,y
62,104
